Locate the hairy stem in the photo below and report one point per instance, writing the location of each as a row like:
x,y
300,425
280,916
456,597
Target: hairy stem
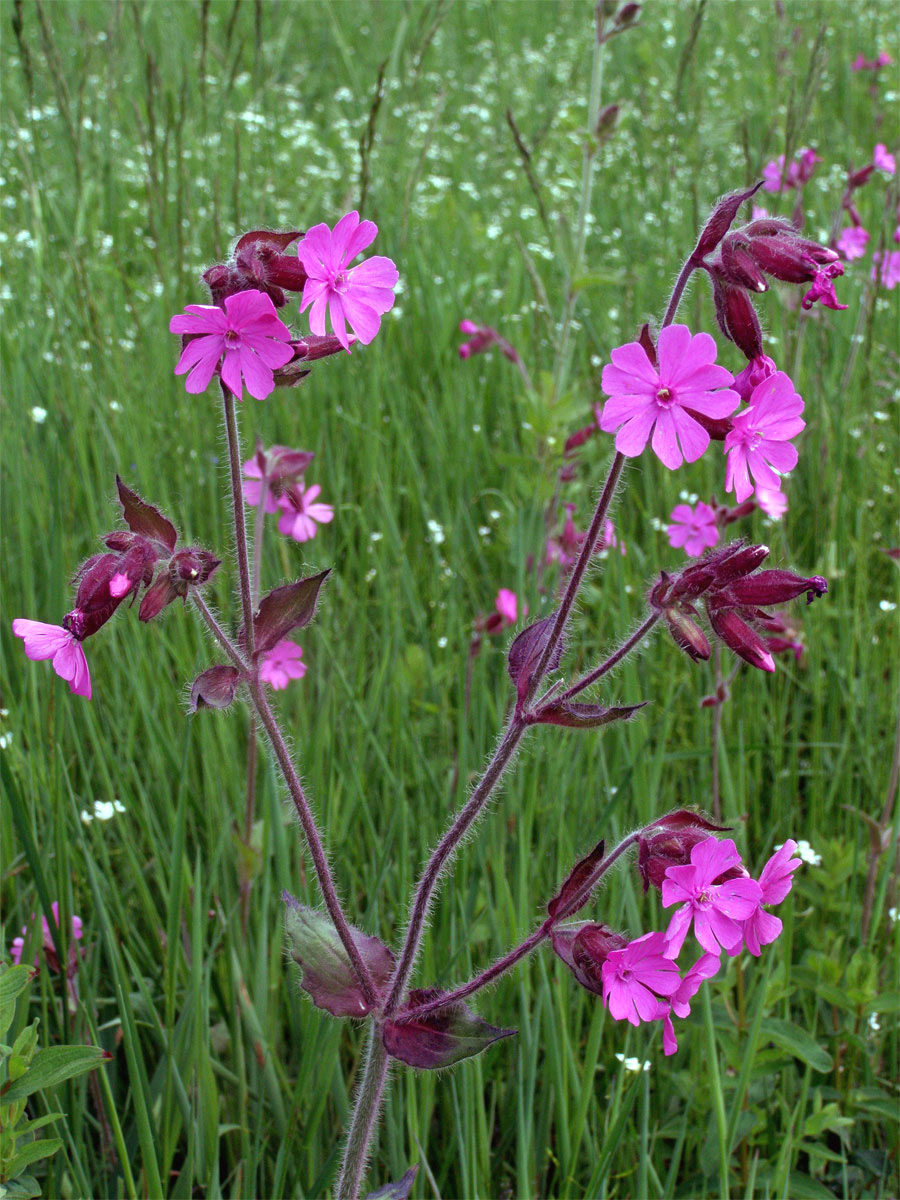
x,y
678,291
365,1117
577,576
252,731
313,840
218,632
442,853
498,967
616,657
237,507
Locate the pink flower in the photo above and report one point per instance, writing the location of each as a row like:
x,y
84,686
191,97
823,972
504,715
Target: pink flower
x,y
53,642
281,664
252,489
759,439
773,502
694,529
883,159
757,369
249,335
886,268
507,605
823,288
119,585
18,944
715,908
775,881
758,213
636,977
356,296
852,242
301,513
647,399
706,966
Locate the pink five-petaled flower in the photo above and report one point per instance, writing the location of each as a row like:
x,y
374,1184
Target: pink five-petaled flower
x,y
53,642
823,288
775,882
883,159
357,296
18,944
759,439
300,513
647,399
636,977
281,664
694,529
248,333
716,909
852,242
704,968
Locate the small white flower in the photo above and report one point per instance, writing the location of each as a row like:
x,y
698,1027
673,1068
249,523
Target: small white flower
x,y
873,1022
494,514
38,415
633,1064
86,816
806,852
103,810
375,536
437,532
442,642
894,914
5,740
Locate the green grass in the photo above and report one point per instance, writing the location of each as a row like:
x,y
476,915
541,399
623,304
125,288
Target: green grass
x,y
138,141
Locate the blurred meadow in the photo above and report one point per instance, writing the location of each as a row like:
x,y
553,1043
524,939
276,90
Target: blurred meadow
x,y
139,139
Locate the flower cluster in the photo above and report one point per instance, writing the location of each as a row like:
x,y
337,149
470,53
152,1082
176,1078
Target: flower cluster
x,y
735,594
713,894
798,173
48,946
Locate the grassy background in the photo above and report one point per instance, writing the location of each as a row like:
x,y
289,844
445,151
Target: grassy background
x,y
139,139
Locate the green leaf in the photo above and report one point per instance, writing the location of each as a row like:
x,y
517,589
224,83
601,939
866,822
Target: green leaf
x,y
26,1187
53,1065
804,1187
32,1153
797,1042
13,981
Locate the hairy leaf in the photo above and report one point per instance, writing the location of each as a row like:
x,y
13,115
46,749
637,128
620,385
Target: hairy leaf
x,y
143,518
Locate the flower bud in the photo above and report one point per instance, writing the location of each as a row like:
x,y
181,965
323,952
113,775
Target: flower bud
x,y
584,950
738,265
776,587
736,315
666,848
686,633
740,638
790,258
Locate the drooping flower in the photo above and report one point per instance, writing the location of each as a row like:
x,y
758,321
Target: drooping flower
x,y
775,881
636,977
823,288
693,529
884,160
710,897
655,402
244,343
852,242
357,296
281,664
61,646
759,440
48,946
275,469
886,268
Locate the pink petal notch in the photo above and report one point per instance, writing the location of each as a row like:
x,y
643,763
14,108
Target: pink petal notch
x,y
356,296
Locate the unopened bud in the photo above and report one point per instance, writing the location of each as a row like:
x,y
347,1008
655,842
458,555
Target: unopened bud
x,y
606,122
667,848
776,587
736,315
687,634
740,638
627,15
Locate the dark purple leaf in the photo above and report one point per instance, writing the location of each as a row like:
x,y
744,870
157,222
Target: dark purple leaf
x,y
720,221
584,716
289,607
267,237
215,687
525,653
684,818
440,1038
399,1190
143,518
576,880
328,976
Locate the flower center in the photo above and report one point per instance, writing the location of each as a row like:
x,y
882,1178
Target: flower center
x,y
232,339
665,398
755,439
